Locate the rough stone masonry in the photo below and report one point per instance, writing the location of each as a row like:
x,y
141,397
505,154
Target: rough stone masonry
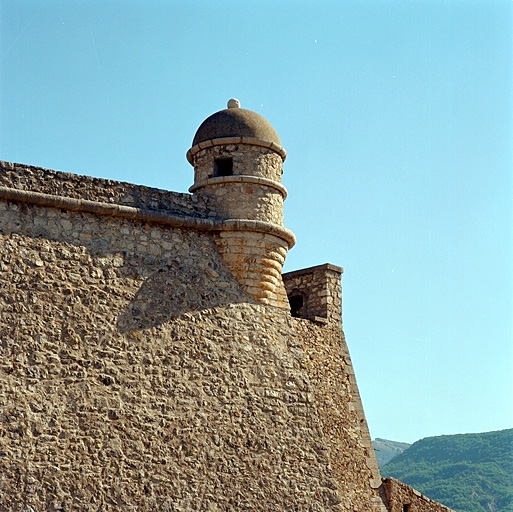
x,y
149,359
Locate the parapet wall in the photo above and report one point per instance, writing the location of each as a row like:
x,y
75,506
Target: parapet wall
x,y
173,210
46,181
403,498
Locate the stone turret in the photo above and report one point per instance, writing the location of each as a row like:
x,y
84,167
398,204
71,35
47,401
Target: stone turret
x,y
238,159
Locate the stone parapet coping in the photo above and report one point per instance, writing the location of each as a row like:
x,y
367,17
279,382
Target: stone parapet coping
x,y
240,179
310,270
145,215
236,140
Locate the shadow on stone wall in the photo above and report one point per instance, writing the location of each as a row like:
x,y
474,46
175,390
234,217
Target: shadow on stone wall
x,y
133,275
171,292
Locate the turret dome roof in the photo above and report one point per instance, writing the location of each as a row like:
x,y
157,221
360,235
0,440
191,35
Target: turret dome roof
x,y
236,122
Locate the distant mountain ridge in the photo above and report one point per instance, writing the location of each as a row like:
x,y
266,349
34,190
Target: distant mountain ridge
x,y
466,472
386,450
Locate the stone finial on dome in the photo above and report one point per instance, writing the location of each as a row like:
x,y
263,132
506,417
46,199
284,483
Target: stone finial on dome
x,y
233,103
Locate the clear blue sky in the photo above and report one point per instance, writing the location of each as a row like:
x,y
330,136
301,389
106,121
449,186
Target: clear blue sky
x,y
397,118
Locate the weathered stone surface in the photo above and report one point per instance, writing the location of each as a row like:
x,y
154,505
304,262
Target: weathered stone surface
x,y
248,160
25,177
402,497
319,291
345,432
135,376
234,201
256,260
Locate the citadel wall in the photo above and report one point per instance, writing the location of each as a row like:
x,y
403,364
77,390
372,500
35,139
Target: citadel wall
x,y
345,432
403,498
136,372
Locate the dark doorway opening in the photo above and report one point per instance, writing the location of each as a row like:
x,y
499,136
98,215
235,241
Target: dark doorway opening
x,y
297,305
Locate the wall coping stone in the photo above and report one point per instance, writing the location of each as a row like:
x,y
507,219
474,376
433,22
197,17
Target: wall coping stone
x,y
311,270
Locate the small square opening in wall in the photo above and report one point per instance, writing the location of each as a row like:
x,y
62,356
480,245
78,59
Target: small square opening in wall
x,y
223,166
406,508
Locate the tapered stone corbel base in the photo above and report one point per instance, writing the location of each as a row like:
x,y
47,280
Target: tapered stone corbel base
x,y
256,261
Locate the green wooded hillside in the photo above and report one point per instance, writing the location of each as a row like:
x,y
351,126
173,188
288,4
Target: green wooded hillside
x,y
466,472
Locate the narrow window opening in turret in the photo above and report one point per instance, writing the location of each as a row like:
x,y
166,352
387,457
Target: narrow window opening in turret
x,y
297,306
406,508
223,167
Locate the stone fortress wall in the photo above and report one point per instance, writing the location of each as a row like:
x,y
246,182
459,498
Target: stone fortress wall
x,y
137,374
140,371
403,498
